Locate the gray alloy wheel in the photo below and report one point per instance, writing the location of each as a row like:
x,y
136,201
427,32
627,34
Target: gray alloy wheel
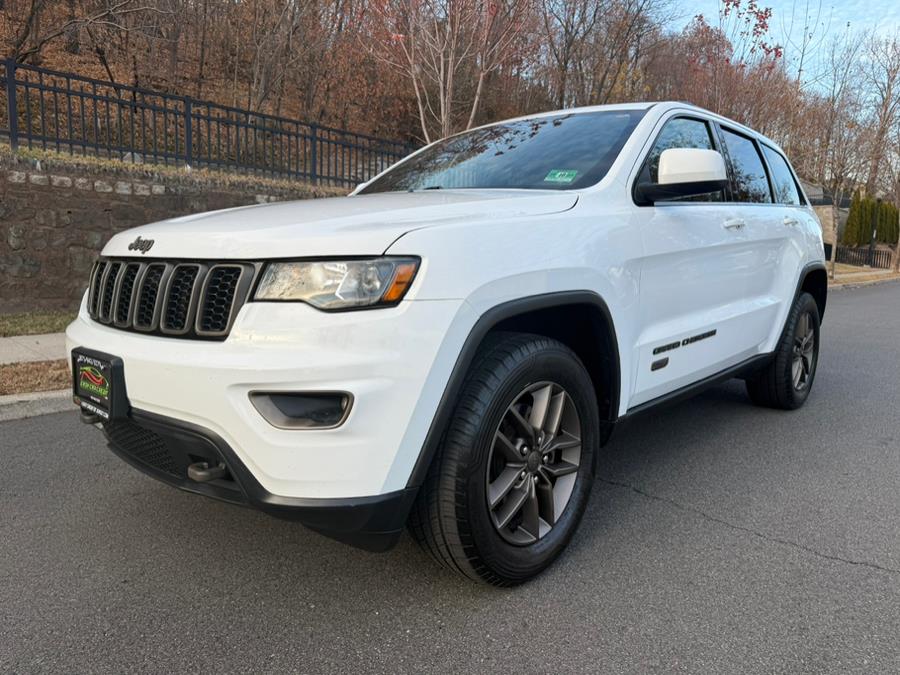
x,y
786,380
528,405
804,352
533,463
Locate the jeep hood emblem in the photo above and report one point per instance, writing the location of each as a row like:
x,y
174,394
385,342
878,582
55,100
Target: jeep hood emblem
x,y
142,245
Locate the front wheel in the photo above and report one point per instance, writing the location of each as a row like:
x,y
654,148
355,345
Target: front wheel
x,y
786,382
514,471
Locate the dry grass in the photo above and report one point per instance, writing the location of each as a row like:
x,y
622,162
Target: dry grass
x,y
34,323
855,274
174,176
842,268
21,378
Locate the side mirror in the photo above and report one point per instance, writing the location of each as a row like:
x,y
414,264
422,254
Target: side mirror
x,y
684,172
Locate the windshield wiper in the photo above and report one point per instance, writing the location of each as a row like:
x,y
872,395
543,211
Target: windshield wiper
x,y
430,187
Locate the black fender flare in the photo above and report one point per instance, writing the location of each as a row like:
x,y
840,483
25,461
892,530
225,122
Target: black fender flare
x,y
482,327
816,265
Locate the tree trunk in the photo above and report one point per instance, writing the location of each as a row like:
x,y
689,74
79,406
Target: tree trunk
x,y
73,37
202,49
173,54
476,100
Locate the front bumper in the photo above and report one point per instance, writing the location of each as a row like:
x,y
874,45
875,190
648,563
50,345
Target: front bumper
x,y
163,448
395,362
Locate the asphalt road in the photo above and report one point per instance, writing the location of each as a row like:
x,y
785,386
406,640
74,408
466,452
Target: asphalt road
x,y
720,538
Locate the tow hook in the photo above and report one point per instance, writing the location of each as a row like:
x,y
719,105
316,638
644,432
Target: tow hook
x,y
89,418
202,472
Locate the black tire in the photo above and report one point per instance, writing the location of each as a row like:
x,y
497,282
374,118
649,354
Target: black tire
x,y
775,386
452,519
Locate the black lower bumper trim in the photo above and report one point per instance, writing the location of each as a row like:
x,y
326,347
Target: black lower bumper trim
x,y
164,448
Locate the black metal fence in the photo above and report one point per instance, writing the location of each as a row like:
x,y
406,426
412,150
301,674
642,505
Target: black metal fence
x,y
879,258
68,113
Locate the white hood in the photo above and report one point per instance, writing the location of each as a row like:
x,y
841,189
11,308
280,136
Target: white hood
x,y
358,225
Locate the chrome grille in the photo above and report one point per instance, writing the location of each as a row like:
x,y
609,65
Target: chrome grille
x,y
172,298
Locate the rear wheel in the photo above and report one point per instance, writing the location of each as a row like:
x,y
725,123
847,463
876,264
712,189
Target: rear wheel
x,y
514,471
786,382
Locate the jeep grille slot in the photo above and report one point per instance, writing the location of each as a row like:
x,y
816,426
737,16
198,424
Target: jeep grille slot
x,y
175,298
218,297
126,292
96,285
109,289
146,316
180,299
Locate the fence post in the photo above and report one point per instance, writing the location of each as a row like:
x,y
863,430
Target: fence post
x,y
13,109
313,154
188,133
874,232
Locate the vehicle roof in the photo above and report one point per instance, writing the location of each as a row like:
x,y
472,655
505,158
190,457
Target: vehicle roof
x,y
661,106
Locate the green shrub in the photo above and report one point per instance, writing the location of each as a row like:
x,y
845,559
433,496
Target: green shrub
x,y
865,210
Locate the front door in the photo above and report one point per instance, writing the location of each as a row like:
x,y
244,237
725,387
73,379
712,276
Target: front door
x,y
700,256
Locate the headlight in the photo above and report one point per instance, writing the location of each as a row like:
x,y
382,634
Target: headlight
x,y
339,284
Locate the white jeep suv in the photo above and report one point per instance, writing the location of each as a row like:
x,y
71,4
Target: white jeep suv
x,y
448,348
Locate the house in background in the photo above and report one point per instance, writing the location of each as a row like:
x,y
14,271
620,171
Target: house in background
x,y
823,204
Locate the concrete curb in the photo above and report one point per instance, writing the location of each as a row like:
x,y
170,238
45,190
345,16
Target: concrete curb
x,y
20,406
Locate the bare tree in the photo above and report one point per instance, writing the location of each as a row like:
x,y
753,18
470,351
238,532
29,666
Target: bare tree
x,y
567,24
499,36
34,37
883,78
435,43
799,49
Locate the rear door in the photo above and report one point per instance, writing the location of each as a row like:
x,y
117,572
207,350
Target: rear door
x,y
699,259
768,230
797,228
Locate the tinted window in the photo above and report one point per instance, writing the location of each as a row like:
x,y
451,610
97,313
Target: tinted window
x,y
748,172
786,191
560,152
680,132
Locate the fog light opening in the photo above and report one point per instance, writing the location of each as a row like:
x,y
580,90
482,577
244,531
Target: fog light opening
x,y
303,410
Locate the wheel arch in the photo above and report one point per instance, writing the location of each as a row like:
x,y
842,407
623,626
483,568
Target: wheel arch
x,y
579,319
814,280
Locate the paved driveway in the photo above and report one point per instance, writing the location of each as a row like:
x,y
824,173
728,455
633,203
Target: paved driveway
x,y
720,538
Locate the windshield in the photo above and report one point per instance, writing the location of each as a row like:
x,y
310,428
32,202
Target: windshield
x,y
559,152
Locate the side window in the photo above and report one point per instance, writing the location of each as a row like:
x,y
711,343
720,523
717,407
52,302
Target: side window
x,y
786,191
681,132
748,172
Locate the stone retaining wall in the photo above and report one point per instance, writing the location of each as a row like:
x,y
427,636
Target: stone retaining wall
x,y
56,215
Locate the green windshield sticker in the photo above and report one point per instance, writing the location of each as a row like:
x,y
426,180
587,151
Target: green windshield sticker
x,y
561,176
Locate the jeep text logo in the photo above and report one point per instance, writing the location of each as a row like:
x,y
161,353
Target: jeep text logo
x,y
142,245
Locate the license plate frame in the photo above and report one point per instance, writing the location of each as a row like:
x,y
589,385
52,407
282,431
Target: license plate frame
x,y
98,383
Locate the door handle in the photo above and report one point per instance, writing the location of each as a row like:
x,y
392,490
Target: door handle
x,y
790,221
734,224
